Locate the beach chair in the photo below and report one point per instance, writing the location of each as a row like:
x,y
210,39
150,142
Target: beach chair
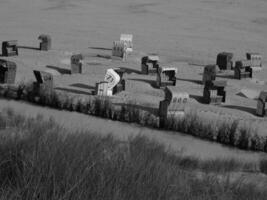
x,y
243,69
76,64
224,60
255,60
173,105
44,84
128,39
214,92
10,48
166,76
7,72
45,42
119,49
149,64
260,111
209,73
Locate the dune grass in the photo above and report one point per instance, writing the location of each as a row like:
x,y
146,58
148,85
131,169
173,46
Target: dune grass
x,y
40,160
231,132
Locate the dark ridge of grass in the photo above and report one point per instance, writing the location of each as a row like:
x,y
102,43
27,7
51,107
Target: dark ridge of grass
x,y
230,133
40,160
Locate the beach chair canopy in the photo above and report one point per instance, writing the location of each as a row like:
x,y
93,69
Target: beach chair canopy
x,y
45,38
168,69
112,78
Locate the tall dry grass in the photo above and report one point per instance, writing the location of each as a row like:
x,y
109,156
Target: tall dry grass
x,y
40,160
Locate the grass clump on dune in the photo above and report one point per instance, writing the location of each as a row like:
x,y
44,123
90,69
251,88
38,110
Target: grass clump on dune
x,y
231,132
40,160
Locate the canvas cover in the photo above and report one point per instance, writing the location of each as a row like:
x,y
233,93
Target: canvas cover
x,y
250,93
220,83
45,38
166,68
12,43
76,58
112,78
153,58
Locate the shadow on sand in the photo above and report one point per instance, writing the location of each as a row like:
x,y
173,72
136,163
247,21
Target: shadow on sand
x,y
198,98
103,56
223,75
244,96
60,70
101,48
129,70
27,47
73,91
227,76
152,83
242,108
190,80
80,85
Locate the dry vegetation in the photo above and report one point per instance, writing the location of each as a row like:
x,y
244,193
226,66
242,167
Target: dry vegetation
x,y
40,160
226,132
